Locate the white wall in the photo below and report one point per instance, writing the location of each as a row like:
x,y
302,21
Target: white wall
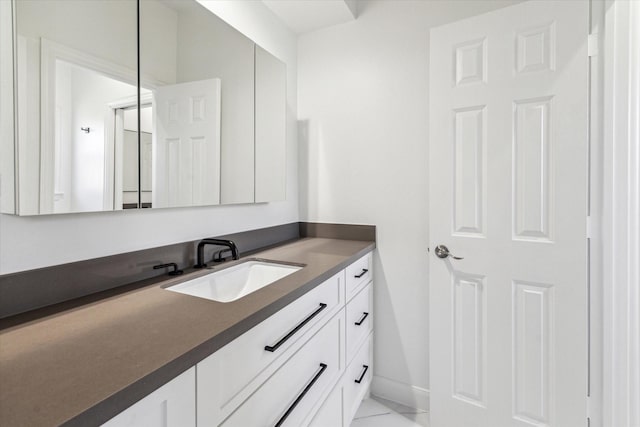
x,y
91,92
32,242
363,118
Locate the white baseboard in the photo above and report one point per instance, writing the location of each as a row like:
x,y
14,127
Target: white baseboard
x,y
406,394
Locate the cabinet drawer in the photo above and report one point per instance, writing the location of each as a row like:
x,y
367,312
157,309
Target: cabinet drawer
x,y
357,379
287,398
330,413
359,319
358,273
172,405
230,375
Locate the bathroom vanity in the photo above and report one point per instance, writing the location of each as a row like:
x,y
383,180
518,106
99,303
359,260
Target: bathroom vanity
x,y
162,104
295,352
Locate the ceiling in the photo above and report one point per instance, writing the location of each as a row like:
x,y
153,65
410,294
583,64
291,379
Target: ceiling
x,y
303,16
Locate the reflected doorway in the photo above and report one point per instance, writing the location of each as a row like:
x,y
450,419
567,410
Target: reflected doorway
x,y
121,191
129,150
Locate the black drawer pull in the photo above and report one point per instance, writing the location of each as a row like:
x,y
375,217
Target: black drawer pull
x,y
364,271
299,398
359,322
296,329
366,368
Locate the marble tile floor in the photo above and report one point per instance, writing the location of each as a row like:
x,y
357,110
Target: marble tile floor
x,y
379,412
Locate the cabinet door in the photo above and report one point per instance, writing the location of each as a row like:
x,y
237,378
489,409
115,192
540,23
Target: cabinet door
x,y
172,405
183,42
270,127
187,144
7,146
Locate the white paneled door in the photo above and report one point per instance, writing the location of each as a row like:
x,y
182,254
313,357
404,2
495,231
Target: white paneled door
x,y
508,194
186,147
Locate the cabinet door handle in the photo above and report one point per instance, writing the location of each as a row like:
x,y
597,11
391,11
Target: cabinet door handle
x,y
364,271
364,316
301,395
366,368
274,347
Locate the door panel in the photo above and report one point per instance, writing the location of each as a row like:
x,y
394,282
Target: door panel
x,y
508,186
187,144
469,209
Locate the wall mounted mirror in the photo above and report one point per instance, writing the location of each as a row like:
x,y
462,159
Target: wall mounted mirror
x,y
74,61
211,124
200,60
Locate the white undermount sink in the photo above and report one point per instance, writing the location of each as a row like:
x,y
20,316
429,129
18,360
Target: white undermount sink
x,y
234,282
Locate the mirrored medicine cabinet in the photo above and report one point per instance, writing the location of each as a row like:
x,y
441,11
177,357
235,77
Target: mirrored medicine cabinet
x,y
194,116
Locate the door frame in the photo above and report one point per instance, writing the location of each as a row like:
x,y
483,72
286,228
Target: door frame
x,y
619,229
113,145
612,230
614,209
50,52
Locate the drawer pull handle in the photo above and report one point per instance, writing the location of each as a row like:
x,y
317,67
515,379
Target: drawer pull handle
x,y
366,368
364,316
301,395
296,329
364,271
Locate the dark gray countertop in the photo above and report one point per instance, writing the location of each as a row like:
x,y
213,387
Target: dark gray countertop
x,y
84,365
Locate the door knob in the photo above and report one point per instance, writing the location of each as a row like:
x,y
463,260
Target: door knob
x,y
443,252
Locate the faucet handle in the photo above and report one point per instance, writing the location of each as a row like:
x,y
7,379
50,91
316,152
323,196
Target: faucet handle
x,y
217,255
174,272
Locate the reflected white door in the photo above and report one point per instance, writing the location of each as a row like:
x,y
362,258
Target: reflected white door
x,y
508,193
186,148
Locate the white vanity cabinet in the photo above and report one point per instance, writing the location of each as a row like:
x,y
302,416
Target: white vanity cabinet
x,y
172,405
317,379
355,382
340,407
359,345
232,374
309,364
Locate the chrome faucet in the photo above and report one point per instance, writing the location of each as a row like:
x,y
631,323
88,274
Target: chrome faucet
x,y
220,242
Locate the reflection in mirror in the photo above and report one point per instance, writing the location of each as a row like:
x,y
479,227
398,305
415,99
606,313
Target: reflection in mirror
x,y
127,131
204,132
80,146
213,108
72,71
7,140
186,144
270,125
